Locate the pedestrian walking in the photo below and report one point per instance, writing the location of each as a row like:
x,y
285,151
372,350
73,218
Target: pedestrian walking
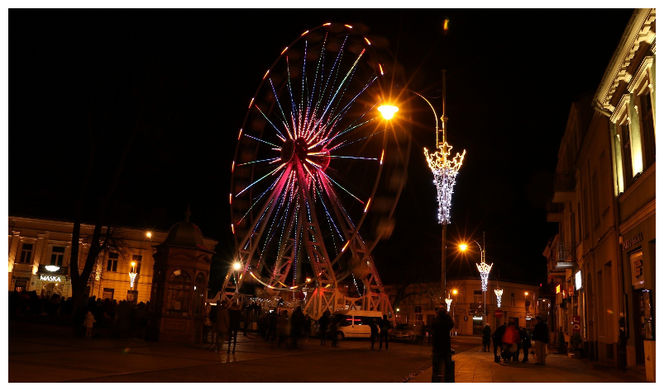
x,y
247,320
212,316
234,316
374,332
223,324
297,323
385,326
541,338
442,348
497,338
88,323
307,327
486,338
323,324
282,328
525,343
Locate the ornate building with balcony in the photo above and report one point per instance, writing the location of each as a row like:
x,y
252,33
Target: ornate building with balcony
x,y
601,262
626,100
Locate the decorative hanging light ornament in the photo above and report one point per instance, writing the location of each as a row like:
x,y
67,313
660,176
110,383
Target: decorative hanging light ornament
x,y
499,295
448,301
445,170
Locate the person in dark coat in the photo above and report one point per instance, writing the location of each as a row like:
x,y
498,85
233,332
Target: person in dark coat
x,y
486,338
385,326
541,338
374,332
442,347
272,326
234,318
497,337
297,322
525,343
323,324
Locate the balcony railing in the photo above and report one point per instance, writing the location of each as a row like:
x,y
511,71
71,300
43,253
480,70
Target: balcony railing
x,y
564,252
564,181
555,207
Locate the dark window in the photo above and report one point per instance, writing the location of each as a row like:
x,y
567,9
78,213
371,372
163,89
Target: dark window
x,y
647,128
112,265
26,253
57,255
179,293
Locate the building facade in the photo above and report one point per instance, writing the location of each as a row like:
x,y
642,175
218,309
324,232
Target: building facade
x,y
39,260
602,262
519,303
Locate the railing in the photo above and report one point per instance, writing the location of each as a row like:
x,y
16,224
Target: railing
x,y
564,181
565,253
555,207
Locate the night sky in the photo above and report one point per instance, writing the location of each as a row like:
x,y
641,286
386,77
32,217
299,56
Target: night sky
x,y
182,79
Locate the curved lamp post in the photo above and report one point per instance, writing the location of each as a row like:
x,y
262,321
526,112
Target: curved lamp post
x,y
484,269
444,169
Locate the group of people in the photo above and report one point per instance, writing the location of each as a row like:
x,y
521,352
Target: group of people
x,y
92,318
224,321
509,340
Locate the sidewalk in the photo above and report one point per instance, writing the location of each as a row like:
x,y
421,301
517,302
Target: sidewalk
x,y
473,366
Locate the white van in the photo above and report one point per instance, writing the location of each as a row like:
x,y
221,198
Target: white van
x,y
354,323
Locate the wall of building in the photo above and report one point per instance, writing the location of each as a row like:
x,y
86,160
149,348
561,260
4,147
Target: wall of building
x,y
34,246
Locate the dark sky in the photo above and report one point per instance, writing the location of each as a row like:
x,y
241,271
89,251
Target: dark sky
x,y
185,77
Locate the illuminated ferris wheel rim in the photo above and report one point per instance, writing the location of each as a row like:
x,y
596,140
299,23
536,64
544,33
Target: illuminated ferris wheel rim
x,y
294,139
300,151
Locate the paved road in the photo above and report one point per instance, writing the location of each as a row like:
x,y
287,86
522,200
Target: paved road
x,y
39,355
47,353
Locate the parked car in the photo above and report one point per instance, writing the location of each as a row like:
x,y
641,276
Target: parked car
x,y
353,323
402,332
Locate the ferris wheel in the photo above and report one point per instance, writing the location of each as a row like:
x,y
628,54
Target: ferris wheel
x,y
317,174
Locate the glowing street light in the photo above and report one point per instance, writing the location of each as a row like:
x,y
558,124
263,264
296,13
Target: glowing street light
x,y
237,265
388,111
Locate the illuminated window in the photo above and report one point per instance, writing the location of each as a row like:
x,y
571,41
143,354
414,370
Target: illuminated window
x,y
112,264
57,255
178,293
138,259
26,253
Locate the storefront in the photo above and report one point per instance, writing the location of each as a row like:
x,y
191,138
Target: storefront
x,y
638,252
50,280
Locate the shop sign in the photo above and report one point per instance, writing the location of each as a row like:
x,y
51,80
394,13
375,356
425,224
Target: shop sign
x,y
570,290
50,278
578,283
632,241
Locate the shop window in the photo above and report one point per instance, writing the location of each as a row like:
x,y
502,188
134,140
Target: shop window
x,y
112,264
178,293
199,294
26,253
57,255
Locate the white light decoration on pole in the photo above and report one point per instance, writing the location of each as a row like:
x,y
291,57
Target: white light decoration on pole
x,y
499,295
445,170
448,301
132,275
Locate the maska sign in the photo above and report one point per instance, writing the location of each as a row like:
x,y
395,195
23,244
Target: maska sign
x,y
48,278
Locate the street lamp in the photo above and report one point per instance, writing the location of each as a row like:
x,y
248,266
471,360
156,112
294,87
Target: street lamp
x,y
482,267
444,169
